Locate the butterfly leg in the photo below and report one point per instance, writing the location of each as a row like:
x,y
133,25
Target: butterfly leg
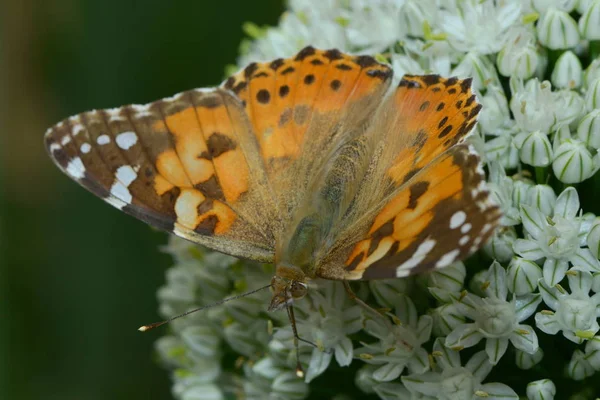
x,y
371,310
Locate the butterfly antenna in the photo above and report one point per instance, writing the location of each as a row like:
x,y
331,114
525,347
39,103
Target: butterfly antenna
x,y
145,328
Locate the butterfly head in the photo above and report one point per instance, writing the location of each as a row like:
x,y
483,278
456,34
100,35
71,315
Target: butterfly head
x,y
289,284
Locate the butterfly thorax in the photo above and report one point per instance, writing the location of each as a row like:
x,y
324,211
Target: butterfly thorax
x,y
287,285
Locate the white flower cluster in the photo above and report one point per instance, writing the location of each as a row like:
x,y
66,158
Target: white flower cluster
x,y
536,69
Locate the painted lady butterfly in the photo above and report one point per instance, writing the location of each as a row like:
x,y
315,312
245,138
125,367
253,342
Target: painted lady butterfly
x,y
310,163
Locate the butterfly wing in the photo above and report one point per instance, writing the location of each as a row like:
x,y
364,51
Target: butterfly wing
x,y
188,165
302,107
424,205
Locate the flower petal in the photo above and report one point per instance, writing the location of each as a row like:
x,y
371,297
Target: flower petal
x,y
479,365
419,362
525,339
526,305
580,282
344,352
554,270
498,391
522,276
465,335
444,356
584,260
547,323
528,249
388,372
550,295
497,282
567,203
319,361
495,349
533,219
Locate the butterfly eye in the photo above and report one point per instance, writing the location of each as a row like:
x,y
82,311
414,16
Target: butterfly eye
x,y
298,290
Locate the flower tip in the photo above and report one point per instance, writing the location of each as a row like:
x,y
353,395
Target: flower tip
x,y
143,328
299,372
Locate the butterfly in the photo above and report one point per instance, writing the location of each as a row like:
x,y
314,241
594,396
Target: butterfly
x,y
313,163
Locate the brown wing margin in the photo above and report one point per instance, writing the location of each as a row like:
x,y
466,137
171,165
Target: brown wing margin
x,y
187,165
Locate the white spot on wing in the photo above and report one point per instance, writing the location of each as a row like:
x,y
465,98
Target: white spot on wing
x,y
126,139
77,129
75,168
465,228
103,139
457,219
463,240
419,255
54,147
447,258
85,148
65,140
120,188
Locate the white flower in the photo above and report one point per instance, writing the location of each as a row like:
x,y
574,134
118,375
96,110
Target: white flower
x,y
325,317
400,348
556,238
542,197
593,238
543,389
567,73
557,30
450,380
480,26
588,129
446,284
589,23
569,105
543,6
575,313
519,56
533,105
592,72
496,320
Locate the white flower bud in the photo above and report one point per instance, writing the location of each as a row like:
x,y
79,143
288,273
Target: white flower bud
x,y
542,197
534,148
589,129
519,56
526,361
543,389
522,276
573,162
589,23
579,368
592,97
567,73
593,239
500,245
557,30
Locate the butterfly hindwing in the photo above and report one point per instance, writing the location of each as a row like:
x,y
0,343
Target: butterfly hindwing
x,y
188,164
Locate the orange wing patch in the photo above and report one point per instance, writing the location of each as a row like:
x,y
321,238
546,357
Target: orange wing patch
x,y
433,114
282,97
442,215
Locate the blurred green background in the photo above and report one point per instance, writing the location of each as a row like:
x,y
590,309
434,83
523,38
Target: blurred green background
x,y
77,277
